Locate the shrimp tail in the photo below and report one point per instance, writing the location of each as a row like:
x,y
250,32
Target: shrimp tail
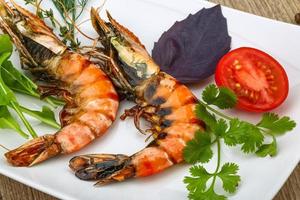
x,y
105,168
34,151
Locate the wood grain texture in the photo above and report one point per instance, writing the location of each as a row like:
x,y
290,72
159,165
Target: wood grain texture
x,y
283,10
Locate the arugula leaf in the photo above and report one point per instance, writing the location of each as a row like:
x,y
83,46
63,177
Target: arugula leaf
x,y
229,177
221,97
267,149
198,149
6,95
197,181
277,125
16,81
46,116
8,122
5,44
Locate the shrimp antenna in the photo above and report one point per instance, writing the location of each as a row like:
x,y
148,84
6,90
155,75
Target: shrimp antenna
x,y
2,146
3,3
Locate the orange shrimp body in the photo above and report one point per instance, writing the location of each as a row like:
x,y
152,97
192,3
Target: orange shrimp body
x,y
91,100
173,121
161,100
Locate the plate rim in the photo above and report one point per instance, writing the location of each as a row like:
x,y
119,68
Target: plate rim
x,y
271,193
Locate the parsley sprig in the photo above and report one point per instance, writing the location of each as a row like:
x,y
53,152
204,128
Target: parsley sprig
x,y
233,131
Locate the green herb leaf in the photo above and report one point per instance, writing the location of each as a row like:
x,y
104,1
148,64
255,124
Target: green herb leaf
x,y
277,125
208,195
17,81
210,93
204,115
221,127
198,149
235,132
5,44
8,122
6,95
244,133
267,149
229,177
46,116
251,139
197,181
221,97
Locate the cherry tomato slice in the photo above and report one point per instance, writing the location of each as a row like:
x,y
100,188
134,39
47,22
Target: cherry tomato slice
x,y
258,80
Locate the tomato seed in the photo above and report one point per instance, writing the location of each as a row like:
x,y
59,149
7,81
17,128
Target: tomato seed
x,y
268,71
274,88
238,67
235,62
270,77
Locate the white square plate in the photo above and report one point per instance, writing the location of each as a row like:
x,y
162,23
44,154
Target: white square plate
x,y
261,177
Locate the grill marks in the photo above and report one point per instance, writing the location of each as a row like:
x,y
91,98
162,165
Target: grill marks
x,y
37,51
175,108
95,102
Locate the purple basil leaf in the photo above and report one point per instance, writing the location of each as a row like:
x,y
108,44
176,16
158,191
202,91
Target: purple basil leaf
x,y
191,48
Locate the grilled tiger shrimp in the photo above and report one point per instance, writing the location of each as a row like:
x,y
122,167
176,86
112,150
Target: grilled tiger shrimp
x,y
91,100
160,99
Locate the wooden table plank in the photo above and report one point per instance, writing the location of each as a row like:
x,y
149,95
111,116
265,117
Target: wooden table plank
x,y
283,10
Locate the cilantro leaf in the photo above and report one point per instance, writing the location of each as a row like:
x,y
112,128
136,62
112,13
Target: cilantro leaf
x,y
198,149
210,93
277,125
197,181
233,135
267,149
202,114
251,139
221,127
229,177
208,195
221,97
244,133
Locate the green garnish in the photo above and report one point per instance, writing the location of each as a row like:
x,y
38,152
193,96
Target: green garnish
x,y
20,83
8,122
70,11
233,131
46,116
11,79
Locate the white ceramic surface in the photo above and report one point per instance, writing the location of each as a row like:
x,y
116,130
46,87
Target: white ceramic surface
x,y
261,177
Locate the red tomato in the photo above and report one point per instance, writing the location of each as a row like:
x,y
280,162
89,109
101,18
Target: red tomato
x,y
258,80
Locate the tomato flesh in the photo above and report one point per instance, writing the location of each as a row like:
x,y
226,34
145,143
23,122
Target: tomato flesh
x,y
258,80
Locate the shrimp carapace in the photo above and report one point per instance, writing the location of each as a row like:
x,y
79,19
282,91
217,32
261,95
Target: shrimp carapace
x,y
166,104
91,100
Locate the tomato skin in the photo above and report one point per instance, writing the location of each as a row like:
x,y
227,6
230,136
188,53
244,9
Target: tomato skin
x,y
250,57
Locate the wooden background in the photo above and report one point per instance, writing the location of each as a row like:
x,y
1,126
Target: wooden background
x,y
283,10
